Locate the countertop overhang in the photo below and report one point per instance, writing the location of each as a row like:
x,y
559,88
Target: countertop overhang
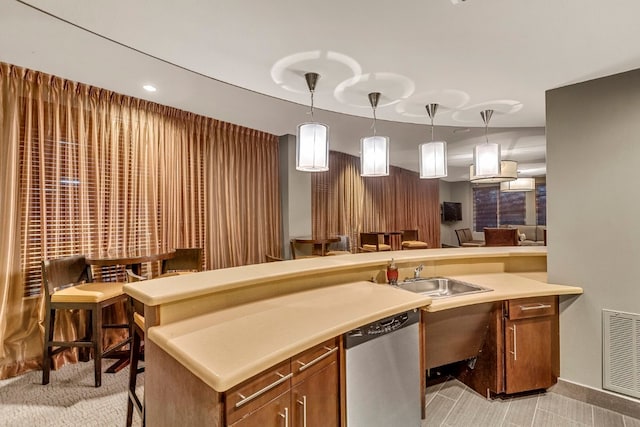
x,y
226,347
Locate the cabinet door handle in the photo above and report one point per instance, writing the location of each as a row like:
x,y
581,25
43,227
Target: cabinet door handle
x,y
263,390
304,366
515,343
285,416
534,307
303,402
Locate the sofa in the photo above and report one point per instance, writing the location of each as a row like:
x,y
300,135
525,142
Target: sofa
x,y
530,235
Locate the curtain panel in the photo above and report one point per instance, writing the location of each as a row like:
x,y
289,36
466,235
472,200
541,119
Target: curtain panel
x,y
88,171
343,202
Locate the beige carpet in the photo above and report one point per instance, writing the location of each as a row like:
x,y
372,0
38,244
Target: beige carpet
x,y
70,399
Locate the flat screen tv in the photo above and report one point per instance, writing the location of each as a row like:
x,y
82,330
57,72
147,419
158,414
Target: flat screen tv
x,y
451,211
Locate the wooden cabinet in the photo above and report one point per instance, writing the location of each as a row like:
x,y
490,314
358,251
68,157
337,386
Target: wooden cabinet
x,y
521,351
302,391
531,344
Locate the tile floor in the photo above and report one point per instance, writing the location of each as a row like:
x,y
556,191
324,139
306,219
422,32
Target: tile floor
x,y
451,403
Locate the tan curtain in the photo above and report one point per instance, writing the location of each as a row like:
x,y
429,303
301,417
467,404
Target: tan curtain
x,y
89,171
343,202
245,207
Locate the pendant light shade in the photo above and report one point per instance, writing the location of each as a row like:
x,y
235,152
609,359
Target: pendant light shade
x,y
432,155
374,150
508,172
312,147
486,159
520,184
312,139
374,156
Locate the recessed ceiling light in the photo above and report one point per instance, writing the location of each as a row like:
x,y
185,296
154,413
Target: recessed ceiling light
x,y
149,88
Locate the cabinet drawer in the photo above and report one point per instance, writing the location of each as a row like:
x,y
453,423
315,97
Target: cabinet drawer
x,y
314,359
255,392
525,308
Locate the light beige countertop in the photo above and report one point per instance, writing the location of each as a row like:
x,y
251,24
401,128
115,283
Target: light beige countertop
x,y
226,347
504,286
168,289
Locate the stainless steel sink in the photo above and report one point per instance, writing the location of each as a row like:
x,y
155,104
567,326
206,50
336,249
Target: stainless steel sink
x,y
441,287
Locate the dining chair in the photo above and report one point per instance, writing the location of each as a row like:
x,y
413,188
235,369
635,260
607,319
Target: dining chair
x,y
136,353
184,259
271,258
341,247
465,238
68,285
373,242
501,237
410,240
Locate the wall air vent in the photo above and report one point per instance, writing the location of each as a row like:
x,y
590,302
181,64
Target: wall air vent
x,y
621,352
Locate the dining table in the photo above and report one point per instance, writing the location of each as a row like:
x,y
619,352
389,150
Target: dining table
x,y
133,259
319,244
392,238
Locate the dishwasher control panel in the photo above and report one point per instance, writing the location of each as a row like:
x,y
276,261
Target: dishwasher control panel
x,y
380,327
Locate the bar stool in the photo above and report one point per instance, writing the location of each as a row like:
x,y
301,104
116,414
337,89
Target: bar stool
x,y
136,354
68,285
410,240
373,242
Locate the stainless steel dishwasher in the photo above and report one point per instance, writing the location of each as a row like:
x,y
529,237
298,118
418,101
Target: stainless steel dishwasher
x,y
383,373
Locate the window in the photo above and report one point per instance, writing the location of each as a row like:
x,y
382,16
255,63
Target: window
x,y
541,203
492,208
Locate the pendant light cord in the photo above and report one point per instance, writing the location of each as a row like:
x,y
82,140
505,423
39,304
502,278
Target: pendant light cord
x,y
374,121
486,132
312,105
431,129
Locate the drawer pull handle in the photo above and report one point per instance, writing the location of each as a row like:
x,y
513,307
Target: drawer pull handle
x,y
304,366
263,390
515,343
534,307
303,402
285,416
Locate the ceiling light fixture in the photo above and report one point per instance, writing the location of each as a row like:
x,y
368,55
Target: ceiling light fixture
x,y
432,155
149,88
508,172
486,157
520,184
487,167
312,140
374,150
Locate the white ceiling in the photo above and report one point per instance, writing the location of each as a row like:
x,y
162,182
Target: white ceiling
x,y
243,61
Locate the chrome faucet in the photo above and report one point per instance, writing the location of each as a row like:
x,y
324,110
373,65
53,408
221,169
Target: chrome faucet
x,y
416,272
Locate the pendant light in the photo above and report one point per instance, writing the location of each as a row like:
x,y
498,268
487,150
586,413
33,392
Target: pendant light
x,y
488,167
432,155
520,184
312,139
508,172
374,150
486,157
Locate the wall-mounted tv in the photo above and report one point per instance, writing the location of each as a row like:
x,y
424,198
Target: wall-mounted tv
x,y
451,211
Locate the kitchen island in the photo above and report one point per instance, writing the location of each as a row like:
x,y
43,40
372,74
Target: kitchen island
x,y
211,331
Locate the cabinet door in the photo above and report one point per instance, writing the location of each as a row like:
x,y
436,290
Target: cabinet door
x,y
529,354
315,401
276,413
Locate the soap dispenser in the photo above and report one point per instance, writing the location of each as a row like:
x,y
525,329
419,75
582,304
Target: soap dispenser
x,y
392,273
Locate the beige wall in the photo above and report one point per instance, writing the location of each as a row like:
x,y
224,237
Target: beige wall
x,y
295,191
593,206
456,192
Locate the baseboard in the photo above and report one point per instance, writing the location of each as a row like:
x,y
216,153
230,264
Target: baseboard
x,y
605,399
